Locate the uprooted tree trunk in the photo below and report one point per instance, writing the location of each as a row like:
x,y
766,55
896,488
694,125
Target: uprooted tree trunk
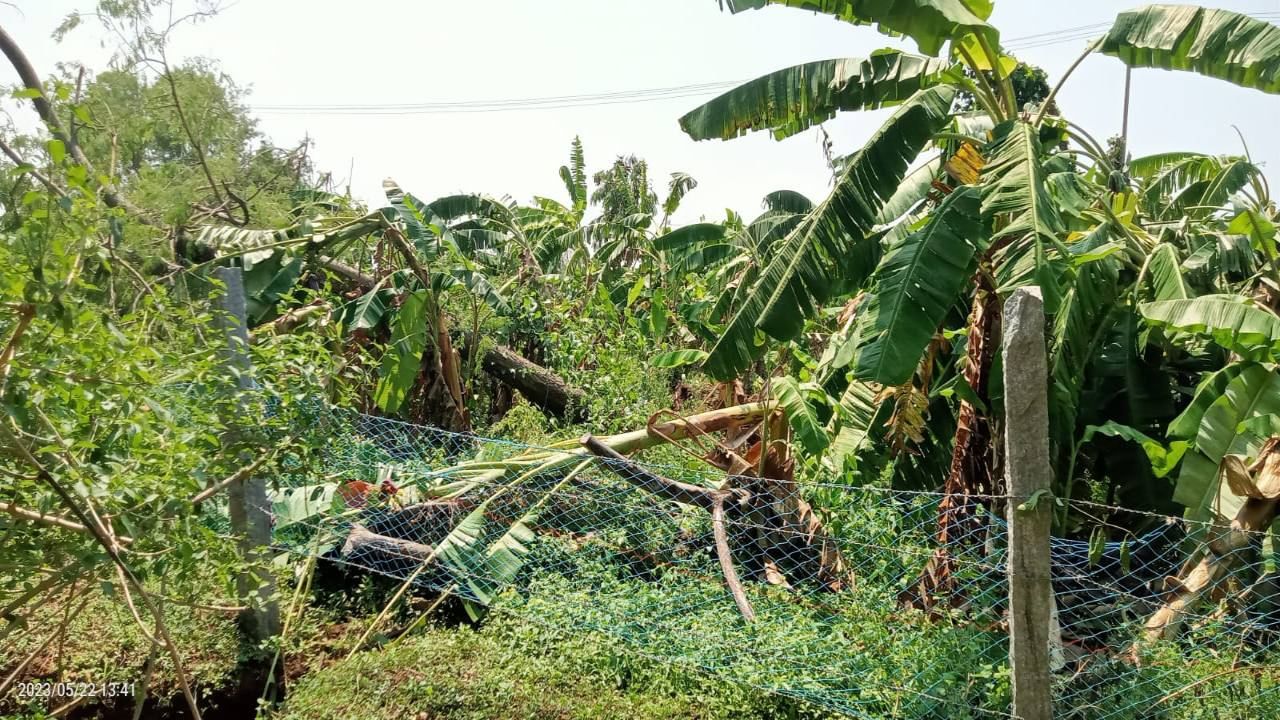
x,y
763,507
1226,546
713,501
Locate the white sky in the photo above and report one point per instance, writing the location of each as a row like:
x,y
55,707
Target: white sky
x,y
404,51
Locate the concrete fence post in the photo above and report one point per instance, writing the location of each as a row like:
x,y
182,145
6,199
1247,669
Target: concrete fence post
x,y
1028,476
247,499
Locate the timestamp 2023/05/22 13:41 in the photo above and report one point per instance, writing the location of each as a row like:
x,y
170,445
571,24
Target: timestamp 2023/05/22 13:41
x,y
37,690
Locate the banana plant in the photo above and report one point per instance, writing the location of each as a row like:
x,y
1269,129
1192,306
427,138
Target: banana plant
x,y
429,249
999,198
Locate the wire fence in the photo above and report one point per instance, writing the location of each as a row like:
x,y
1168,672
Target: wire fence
x,y
858,608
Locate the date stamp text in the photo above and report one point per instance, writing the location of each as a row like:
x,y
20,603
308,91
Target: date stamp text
x,y
40,690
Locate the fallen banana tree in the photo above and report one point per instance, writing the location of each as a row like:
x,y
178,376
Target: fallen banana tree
x,y
504,504
542,387
1225,546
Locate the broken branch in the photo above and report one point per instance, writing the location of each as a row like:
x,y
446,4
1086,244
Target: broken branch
x,y
649,482
726,560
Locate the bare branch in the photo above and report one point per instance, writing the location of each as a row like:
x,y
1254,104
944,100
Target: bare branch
x,y
31,79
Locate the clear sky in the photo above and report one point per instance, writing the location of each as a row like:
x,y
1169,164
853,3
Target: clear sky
x,y
311,52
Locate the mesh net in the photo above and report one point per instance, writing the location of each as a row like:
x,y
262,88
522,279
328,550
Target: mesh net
x,y
634,552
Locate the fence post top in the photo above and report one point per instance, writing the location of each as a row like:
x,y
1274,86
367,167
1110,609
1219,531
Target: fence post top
x,y
1025,294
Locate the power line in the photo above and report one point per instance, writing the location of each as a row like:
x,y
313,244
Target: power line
x,y
557,102
1082,32
505,105
617,95
1051,33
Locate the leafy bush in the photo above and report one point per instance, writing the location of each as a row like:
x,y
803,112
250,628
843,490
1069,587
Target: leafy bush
x,y
515,669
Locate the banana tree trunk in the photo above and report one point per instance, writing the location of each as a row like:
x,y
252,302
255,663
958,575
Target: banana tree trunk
x,y
445,357
1227,546
537,384
974,477
450,370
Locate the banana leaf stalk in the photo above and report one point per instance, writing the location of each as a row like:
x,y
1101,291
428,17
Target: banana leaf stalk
x,y
483,565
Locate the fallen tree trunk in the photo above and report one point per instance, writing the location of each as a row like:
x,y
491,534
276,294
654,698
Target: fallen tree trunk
x,y
704,498
368,549
289,321
545,389
360,280
769,514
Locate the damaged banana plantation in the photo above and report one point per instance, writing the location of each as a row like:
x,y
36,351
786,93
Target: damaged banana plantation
x,y
989,427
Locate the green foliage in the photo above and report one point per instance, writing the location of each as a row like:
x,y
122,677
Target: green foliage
x,y
1223,429
804,422
1165,271
678,358
801,272
1030,86
1162,459
100,392
133,130
794,99
1231,321
104,645
929,22
1221,44
624,190
400,365
511,669
915,286
853,314
913,191
575,177
846,637
1014,184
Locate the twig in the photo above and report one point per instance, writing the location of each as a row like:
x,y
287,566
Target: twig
x,y
191,136
109,545
26,314
7,613
31,169
297,606
143,685
68,706
238,475
31,79
58,521
58,632
1215,676
133,610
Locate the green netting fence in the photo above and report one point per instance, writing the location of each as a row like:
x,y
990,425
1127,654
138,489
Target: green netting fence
x,y
590,544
